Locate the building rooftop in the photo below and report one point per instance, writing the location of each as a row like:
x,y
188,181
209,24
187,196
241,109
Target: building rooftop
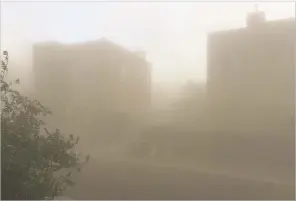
x,y
103,41
262,24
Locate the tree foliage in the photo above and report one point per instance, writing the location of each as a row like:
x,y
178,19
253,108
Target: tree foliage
x,y
34,164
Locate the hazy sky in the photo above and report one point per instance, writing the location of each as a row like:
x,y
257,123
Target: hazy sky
x,y
172,34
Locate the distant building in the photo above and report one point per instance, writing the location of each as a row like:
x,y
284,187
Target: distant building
x,y
251,77
92,79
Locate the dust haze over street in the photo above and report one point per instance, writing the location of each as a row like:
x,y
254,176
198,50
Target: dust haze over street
x,y
131,180
172,100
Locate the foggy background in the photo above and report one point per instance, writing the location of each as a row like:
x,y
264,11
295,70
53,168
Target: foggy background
x,y
144,140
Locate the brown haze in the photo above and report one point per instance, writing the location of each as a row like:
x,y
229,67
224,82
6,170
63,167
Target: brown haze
x,y
224,134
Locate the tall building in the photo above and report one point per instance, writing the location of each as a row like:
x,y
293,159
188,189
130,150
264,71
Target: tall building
x,y
91,80
251,76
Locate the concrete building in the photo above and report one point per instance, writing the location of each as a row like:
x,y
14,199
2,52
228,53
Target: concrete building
x,y
250,85
84,82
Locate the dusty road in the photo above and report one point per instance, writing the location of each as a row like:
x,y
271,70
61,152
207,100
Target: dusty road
x,y
110,179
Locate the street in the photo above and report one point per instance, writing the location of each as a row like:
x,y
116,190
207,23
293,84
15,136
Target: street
x,y
129,180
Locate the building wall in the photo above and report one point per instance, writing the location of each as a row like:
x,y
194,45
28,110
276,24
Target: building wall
x,y
251,78
90,80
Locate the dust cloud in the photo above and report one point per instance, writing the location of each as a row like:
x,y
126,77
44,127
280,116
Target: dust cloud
x,y
219,125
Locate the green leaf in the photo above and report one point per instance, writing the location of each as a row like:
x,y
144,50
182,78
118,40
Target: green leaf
x,y
30,159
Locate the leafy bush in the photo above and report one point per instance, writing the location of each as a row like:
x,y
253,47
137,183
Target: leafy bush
x,y
34,164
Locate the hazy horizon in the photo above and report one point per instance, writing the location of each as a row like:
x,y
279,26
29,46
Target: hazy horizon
x,y
167,133
174,36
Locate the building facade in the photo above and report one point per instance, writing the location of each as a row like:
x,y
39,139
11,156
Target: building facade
x,y
250,85
87,83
